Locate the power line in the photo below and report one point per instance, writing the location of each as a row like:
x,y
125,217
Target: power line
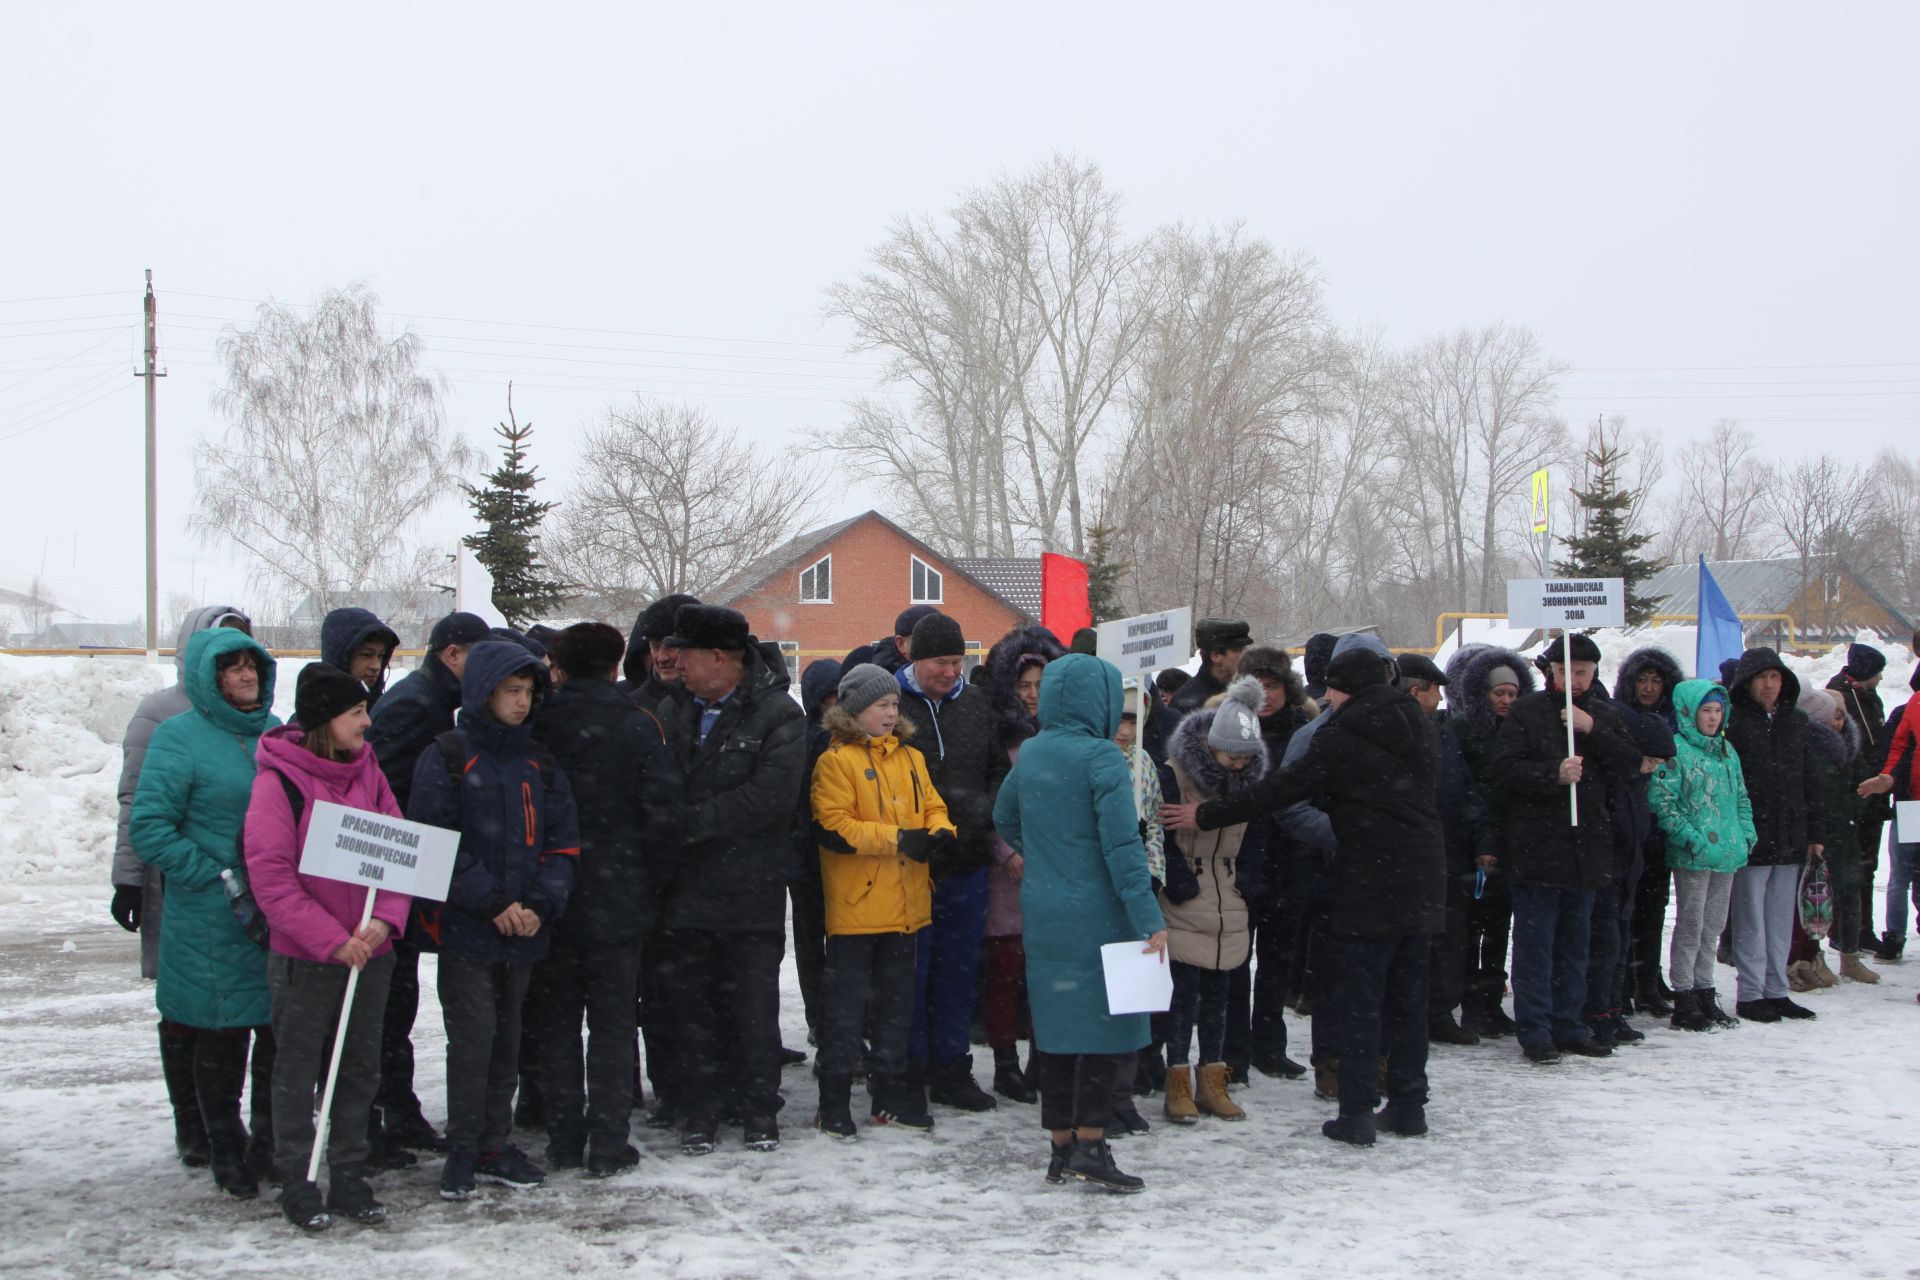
x,y
72,391
69,360
62,297
21,431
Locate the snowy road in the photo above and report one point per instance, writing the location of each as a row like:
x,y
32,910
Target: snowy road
x,y
1768,1151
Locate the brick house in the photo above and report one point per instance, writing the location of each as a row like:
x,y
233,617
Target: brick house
x,y
828,591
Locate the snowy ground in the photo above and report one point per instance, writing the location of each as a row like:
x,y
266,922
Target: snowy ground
x,y
1686,1156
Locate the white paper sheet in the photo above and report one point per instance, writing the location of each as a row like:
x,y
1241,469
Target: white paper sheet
x,y
1137,981
1906,821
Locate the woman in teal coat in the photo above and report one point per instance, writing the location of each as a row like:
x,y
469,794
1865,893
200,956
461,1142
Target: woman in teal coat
x,y
195,786
1068,809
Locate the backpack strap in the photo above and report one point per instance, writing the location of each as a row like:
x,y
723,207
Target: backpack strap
x,y
453,750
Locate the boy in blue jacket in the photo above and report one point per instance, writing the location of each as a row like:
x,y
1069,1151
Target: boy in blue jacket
x,y
519,838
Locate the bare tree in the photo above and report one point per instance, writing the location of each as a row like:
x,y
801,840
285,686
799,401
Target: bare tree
x,y
665,500
1889,545
335,447
1724,492
1816,508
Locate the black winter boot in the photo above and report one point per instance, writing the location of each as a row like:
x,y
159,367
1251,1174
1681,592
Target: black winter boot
x,y
1442,1029
1092,1161
1149,1072
1407,1119
836,1105
1008,1080
1057,1161
1709,1003
1358,1129
951,1084
176,1066
1649,993
219,1073
1687,1013
351,1198
302,1206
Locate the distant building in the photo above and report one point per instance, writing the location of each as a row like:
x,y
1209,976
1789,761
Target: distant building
x,y
93,635
411,614
1822,597
832,589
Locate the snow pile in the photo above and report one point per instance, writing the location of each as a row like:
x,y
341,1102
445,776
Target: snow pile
x,y
60,725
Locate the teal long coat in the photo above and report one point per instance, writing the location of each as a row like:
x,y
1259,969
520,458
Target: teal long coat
x,y
187,814
1068,808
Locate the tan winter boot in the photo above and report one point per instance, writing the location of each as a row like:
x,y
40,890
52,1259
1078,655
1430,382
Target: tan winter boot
x,y
1213,1097
1821,974
1853,966
1179,1096
1800,977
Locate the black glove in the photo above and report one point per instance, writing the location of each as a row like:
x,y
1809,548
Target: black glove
x,y
126,907
917,845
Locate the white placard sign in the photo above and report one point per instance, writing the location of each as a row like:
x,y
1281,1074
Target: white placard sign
x,y
1146,643
379,852
1906,821
1567,604
1138,980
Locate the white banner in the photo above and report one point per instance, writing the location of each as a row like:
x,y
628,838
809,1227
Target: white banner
x,y
1147,643
1906,821
1572,604
379,852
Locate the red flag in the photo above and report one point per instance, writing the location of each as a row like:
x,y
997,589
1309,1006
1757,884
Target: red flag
x,y
1063,596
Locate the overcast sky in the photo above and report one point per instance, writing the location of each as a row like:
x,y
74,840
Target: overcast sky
x,y
1709,210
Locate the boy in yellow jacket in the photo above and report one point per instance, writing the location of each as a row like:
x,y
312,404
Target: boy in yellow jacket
x,y
877,819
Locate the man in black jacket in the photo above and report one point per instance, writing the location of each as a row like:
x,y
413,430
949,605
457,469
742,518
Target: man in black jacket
x,y
611,752
735,736
1770,734
651,669
1554,866
1373,766
406,720
357,642
1857,685
955,729
1220,641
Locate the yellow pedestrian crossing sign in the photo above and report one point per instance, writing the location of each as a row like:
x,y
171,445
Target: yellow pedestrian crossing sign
x,y
1538,503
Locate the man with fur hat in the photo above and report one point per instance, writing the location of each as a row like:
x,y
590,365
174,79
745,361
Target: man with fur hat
x,y
1555,867
652,666
1220,642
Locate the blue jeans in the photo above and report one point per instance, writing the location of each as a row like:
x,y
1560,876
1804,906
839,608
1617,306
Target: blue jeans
x,y
948,954
1551,934
1900,885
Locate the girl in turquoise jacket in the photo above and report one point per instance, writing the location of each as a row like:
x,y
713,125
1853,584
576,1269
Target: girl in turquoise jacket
x,y
1700,800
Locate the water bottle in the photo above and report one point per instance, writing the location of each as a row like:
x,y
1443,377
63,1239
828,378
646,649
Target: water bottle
x,y
245,909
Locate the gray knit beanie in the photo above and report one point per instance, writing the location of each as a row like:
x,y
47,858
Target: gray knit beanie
x,y
1236,721
865,684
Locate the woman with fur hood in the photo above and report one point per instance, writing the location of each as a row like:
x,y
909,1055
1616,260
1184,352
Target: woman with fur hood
x,y
1488,683
1013,667
1645,685
1841,765
1215,753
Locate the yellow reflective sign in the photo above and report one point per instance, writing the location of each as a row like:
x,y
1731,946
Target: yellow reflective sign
x,y
1538,503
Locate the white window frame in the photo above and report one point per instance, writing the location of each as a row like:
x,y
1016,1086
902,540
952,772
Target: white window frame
x,y
801,581
913,598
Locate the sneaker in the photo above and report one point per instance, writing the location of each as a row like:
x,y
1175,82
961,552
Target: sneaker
x,y
456,1178
300,1202
1788,1009
604,1166
509,1167
899,1104
699,1138
763,1133
351,1198
1756,1010
1541,1053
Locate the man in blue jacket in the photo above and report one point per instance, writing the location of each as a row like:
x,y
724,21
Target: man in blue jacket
x,y
519,840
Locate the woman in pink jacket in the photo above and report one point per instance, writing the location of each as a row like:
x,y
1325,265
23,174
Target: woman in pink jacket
x,y
316,937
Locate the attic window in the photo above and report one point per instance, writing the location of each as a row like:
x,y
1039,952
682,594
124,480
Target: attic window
x,y
816,582
927,587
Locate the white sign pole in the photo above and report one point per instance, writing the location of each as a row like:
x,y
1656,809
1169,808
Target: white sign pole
x,y
1566,667
339,1047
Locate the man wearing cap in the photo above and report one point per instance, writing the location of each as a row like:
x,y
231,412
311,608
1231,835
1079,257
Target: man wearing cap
x,y
1554,866
1857,685
652,667
405,722
954,728
740,743
1220,641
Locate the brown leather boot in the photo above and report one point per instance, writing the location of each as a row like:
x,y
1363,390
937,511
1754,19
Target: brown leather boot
x,y
1179,1096
1821,974
1213,1097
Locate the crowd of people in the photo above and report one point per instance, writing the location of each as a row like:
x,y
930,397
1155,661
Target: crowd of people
x,y
641,816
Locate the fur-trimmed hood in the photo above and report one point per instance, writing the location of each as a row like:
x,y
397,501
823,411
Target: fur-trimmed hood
x,y
1188,749
1839,746
1014,651
1648,656
1474,705
843,728
1456,667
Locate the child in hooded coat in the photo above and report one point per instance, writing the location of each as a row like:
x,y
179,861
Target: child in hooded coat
x,y
1213,753
316,939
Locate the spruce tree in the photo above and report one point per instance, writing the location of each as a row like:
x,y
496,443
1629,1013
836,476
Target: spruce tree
x,y
1608,547
511,520
1103,575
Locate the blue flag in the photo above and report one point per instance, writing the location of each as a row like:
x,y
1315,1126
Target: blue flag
x,y
1721,636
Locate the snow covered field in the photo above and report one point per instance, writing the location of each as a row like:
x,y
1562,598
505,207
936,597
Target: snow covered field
x,y
1766,1151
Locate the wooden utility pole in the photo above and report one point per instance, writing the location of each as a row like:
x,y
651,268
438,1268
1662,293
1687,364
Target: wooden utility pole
x,y
150,373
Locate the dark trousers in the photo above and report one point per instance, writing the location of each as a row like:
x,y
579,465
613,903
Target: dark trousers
x,y
587,1095
1550,943
725,994
221,1074
307,998
657,1029
1489,922
396,1032
1006,965
868,992
480,1003
949,956
1076,1089
1447,961
1257,991
810,942
1378,1003
1870,831
1199,1000
1606,941
1646,950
